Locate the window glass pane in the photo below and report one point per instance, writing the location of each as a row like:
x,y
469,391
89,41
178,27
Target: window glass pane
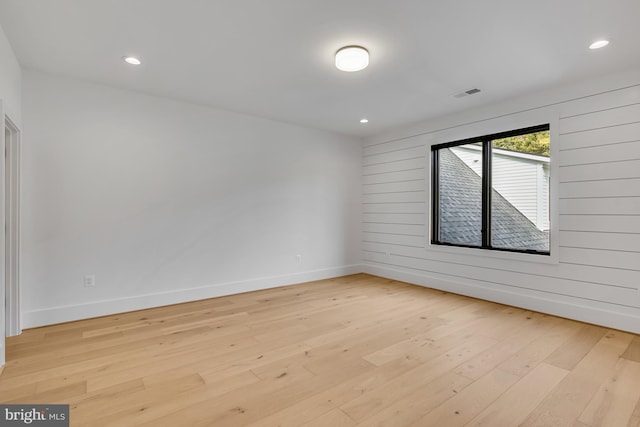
x,y
520,192
460,188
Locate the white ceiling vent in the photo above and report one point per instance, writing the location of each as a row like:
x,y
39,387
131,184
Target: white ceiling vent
x,y
466,93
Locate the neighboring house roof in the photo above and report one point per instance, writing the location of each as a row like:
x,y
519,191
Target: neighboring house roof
x,y
461,207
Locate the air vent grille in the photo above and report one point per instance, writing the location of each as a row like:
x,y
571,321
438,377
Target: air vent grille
x,y
466,93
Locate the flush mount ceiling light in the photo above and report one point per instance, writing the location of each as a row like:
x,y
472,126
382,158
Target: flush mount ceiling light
x,y
364,120
352,58
131,60
598,44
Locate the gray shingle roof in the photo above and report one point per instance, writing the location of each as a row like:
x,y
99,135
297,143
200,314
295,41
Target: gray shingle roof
x,y
461,208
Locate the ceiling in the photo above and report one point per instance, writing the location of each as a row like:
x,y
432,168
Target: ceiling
x,y
274,58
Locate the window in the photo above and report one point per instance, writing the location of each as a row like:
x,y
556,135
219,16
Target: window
x,y
492,192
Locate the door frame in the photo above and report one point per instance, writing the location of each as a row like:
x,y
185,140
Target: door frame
x,y
11,212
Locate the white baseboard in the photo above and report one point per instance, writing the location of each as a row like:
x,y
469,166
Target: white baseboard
x,y
576,311
49,316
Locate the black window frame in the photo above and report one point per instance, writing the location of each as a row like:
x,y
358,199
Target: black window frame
x,y
485,140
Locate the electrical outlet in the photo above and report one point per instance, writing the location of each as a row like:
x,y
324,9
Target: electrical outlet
x,y
89,281
298,258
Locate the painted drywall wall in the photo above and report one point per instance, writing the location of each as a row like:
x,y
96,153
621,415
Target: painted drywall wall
x,y
10,105
10,81
165,201
594,271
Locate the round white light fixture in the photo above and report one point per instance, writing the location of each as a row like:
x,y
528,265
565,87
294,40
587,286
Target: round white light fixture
x,y
131,60
352,58
364,120
598,44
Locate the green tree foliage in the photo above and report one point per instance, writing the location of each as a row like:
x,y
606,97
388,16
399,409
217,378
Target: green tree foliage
x,y
532,143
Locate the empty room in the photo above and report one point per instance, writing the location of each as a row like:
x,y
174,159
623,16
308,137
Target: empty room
x,y
320,213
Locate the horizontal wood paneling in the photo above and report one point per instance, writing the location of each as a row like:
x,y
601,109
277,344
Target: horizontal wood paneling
x,y
623,151
402,175
605,223
397,197
601,101
600,171
609,206
579,273
394,156
400,165
611,188
393,239
393,218
612,241
598,199
598,137
601,258
395,208
395,187
402,144
407,230
549,285
601,119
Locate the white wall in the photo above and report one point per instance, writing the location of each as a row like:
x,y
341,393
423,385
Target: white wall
x,y
10,105
10,81
165,201
594,272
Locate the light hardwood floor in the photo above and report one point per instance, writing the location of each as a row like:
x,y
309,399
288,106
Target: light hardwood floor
x,y
352,351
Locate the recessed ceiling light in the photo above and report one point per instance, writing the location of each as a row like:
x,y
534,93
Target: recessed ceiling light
x,y
364,120
131,60
352,58
598,44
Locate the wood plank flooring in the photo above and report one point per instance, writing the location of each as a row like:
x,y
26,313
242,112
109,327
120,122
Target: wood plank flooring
x,y
352,351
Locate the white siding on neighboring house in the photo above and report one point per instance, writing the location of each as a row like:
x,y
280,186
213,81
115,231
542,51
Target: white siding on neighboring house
x,y
543,200
518,178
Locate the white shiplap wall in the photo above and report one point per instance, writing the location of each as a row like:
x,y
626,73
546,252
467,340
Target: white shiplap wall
x,y
594,271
